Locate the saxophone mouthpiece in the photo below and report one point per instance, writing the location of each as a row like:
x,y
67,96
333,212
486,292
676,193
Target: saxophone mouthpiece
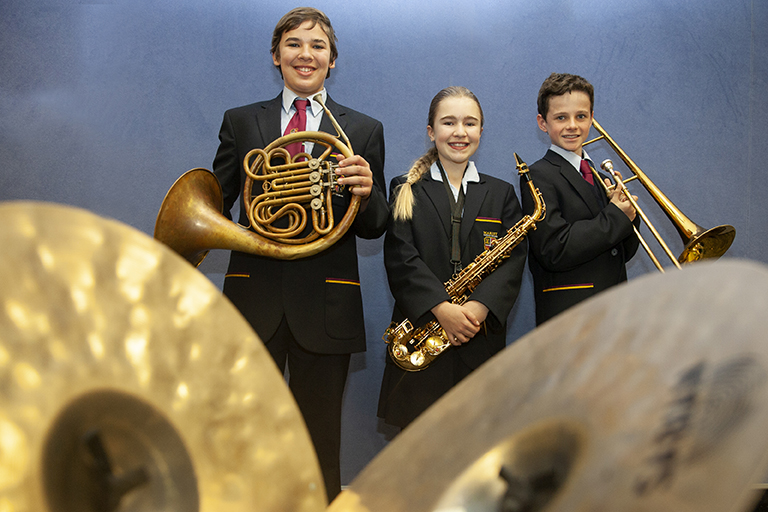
x,y
522,167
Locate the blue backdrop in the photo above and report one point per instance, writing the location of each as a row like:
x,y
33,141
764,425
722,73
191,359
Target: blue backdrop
x,y
103,104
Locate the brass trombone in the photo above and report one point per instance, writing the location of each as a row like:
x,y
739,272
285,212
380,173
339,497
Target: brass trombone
x,y
699,243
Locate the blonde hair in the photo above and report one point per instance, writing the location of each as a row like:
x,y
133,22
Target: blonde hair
x,y
402,209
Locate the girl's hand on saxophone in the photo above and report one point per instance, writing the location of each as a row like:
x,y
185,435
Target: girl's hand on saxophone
x,y
460,323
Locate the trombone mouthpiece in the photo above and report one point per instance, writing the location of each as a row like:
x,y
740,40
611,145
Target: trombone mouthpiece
x,y
607,165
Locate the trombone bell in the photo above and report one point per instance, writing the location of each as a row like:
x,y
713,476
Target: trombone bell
x,y
711,243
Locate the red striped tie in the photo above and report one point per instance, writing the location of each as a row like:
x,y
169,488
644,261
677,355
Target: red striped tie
x,y
298,123
586,171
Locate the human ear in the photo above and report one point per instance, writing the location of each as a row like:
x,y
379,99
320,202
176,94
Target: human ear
x,y
431,133
541,122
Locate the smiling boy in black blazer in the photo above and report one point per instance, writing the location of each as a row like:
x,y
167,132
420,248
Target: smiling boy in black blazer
x,y
582,245
309,311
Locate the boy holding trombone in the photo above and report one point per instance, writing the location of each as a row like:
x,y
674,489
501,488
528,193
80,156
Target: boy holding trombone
x,y
582,245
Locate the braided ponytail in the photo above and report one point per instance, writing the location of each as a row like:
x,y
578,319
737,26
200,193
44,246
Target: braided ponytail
x,y
403,207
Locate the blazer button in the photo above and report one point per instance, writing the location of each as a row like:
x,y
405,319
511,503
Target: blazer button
x,y
614,251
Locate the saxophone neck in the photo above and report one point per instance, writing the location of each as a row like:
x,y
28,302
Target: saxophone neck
x,y
539,209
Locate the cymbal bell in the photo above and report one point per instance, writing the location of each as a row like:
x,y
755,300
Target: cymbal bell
x,y
128,382
652,396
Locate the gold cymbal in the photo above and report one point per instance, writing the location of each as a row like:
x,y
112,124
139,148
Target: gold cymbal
x,y
128,382
652,396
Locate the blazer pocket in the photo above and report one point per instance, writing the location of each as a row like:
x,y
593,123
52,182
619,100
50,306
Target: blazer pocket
x,y
343,308
492,230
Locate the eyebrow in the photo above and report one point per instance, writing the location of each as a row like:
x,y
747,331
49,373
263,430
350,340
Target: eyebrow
x,y
563,112
453,118
298,39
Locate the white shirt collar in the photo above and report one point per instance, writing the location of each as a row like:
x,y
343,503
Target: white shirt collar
x,y
573,158
315,109
470,176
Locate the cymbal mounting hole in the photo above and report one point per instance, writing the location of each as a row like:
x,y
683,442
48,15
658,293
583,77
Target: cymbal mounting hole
x,y
523,473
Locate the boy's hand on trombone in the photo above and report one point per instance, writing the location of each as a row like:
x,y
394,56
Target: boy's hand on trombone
x,y
619,198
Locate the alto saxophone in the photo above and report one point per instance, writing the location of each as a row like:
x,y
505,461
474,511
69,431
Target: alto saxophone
x,y
414,349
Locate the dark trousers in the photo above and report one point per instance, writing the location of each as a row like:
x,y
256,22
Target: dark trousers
x,y
317,383
405,395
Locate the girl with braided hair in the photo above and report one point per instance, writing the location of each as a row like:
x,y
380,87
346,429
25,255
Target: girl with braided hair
x,y
443,214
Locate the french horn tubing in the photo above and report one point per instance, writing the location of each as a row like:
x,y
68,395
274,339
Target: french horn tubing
x,y
415,349
699,243
288,201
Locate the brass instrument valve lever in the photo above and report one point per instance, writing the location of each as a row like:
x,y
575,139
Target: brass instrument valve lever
x,y
332,177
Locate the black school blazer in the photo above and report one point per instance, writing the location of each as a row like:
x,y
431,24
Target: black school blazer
x,y
417,256
581,247
319,295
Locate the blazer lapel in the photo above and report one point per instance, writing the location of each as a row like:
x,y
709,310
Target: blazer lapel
x,y
268,120
578,183
435,190
473,200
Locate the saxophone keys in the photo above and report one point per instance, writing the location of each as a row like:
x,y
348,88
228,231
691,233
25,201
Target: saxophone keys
x,y
399,351
434,345
389,333
417,358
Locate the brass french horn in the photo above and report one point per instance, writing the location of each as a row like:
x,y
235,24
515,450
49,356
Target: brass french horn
x,y
287,200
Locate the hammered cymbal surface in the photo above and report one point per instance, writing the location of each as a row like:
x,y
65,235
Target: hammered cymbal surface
x,y
652,396
101,324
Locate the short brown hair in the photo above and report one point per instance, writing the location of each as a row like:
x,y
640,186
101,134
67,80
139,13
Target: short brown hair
x,y
294,18
558,84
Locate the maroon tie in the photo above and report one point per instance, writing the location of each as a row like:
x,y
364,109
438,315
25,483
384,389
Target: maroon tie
x,y
586,171
298,123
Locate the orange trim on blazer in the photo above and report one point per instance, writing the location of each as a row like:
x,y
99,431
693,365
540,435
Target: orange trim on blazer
x,y
585,286
341,281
